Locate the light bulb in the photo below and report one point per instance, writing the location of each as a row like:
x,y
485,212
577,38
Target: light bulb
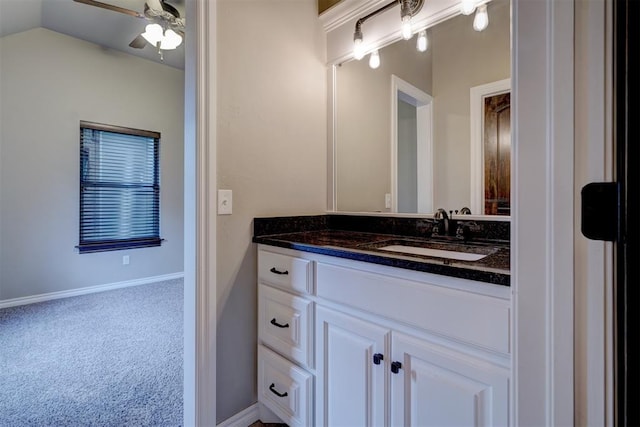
x,y
374,59
407,32
481,20
171,40
422,42
153,33
467,7
358,50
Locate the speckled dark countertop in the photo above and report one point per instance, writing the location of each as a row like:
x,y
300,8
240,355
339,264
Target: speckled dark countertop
x,y
324,234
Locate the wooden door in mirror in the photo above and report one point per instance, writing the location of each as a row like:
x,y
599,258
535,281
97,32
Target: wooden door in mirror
x,y
497,154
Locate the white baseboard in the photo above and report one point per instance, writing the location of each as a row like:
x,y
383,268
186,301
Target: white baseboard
x,y
244,418
267,416
13,302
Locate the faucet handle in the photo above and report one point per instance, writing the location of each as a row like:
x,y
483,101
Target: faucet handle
x,y
463,232
466,229
435,229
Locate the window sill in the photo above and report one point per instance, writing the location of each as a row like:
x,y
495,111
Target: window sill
x,y
118,245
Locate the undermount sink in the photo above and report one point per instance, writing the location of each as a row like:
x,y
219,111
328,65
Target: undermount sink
x,y
438,253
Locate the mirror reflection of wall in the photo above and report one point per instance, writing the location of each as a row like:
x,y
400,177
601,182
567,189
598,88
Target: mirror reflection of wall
x,y
363,127
457,59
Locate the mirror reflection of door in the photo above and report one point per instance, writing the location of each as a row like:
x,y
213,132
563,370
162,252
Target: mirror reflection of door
x,y
497,154
407,155
411,148
491,148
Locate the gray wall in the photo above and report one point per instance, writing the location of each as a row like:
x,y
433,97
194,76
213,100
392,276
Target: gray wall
x,y
463,58
49,82
363,99
272,143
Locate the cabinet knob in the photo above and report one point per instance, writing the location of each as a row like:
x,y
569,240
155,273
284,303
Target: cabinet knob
x,y
395,367
273,390
377,358
274,322
276,271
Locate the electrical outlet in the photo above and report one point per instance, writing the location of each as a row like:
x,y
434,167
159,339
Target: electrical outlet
x,y
125,259
387,200
225,202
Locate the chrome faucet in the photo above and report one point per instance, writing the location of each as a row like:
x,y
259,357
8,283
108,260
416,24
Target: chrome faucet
x,y
441,225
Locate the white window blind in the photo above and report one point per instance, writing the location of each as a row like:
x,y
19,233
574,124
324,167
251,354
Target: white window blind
x,y
119,188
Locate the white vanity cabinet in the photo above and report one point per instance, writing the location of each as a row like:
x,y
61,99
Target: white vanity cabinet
x,y
432,385
351,374
389,346
429,384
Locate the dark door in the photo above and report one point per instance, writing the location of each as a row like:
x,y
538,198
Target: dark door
x,y
627,140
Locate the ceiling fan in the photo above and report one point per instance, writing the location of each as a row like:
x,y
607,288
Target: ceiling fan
x,y
165,30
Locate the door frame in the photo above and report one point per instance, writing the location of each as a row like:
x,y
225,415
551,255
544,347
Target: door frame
x,y
424,132
626,132
542,229
199,215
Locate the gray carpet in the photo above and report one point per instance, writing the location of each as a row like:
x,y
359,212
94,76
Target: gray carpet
x,y
107,359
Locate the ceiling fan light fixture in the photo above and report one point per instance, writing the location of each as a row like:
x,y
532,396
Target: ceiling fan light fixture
x,y
171,40
153,34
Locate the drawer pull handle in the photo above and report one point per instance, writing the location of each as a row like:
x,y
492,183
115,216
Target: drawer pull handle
x,y
276,271
275,323
395,367
273,390
377,358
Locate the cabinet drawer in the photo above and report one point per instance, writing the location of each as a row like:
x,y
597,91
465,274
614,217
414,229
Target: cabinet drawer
x,y
285,271
285,388
285,323
471,318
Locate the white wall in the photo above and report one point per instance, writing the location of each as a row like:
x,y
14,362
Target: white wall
x,y
271,146
49,82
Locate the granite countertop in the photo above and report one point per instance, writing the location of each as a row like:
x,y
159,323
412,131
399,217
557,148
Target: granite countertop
x,y
365,246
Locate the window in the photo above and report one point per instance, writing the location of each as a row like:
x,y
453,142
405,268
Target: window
x,y
119,188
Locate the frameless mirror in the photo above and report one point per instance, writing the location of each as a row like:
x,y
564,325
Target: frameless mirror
x,y
405,138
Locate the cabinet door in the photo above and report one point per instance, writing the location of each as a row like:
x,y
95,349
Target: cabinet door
x,y
437,386
350,385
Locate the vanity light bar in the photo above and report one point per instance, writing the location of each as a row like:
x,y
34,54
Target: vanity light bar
x,y
409,8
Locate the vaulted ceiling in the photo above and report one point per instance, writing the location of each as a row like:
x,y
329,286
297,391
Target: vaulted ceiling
x,y
100,26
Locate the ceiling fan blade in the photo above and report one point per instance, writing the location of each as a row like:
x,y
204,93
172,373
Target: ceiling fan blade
x,y
138,43
154,4
111,7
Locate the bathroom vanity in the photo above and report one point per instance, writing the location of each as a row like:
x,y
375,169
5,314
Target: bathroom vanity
x,y
374,320
362,328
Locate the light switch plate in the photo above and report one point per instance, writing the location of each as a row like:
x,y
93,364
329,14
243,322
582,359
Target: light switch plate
x,y
225,202
387,200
